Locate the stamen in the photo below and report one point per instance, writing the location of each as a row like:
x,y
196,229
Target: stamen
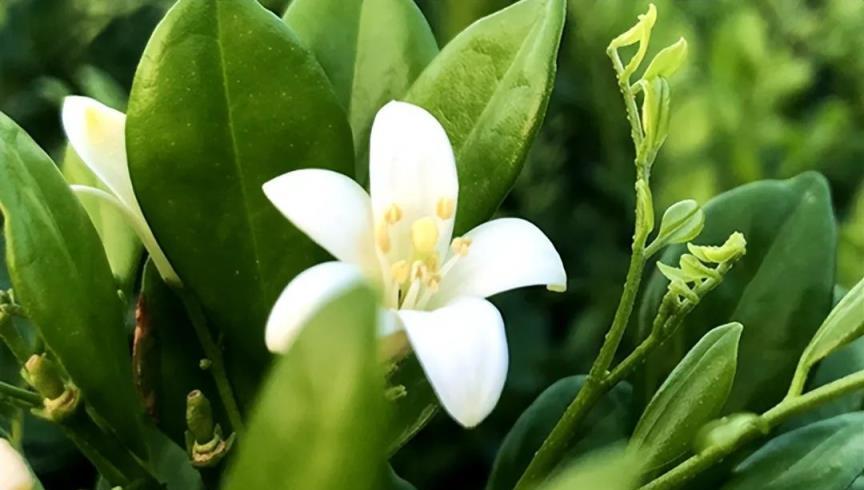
x,y
382,237
432,262
400,271
392,214
460,246
444,208
419,271
424,235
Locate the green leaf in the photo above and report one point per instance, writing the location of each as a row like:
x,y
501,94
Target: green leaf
x,y
608,422
608,470
392,481
225,99
167,357
372,51
780,291
825,455
489,88
693,394
844,324
410,412
121,244
63,280
319,420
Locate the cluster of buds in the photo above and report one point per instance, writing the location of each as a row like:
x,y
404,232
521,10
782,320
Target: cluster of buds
x,y
702,269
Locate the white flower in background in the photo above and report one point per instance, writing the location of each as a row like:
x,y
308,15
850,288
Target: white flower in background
x,y
14,472
97,133
399,239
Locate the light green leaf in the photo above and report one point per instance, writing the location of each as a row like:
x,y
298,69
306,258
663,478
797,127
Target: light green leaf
x,y
693,394
781,290
825,455
412,411
225,99
489,88
372,51
320,418
63,280
121,244
611,469
608,422
844,324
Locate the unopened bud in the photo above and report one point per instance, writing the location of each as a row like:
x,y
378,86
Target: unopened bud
x,y
44,375
667,61
734,247
199,416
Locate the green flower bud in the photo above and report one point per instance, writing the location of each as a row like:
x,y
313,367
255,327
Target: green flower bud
x,y
639,31
655,111
682,222
43,375
733,249
667,61
199,416
726,429
644,207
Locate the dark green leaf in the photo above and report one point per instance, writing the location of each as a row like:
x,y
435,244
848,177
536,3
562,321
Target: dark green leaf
x,y
489,87
63,280
320,418
693,394
826,455
392,481
372,50
225,99
781,290
608,422
122,245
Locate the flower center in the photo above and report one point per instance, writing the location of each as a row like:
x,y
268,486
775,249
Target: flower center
x,y
411,280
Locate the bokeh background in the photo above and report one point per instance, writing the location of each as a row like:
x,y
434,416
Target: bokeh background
x,y
771,88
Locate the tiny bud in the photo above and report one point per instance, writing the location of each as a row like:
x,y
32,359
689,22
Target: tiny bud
x,y
655,111
205,364
43,375
199,416
644,207
682,222
734,247
638,31
667,61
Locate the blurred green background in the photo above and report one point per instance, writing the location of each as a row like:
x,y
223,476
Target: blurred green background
x,y
771,88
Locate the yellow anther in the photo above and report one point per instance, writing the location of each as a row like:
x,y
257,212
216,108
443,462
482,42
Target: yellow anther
x,y
382,238
400,271
432,282
419,270
424,235
432,262
445,207
460,246
392,214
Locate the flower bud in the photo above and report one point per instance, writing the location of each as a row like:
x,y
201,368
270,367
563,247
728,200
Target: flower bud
x,y
43,375
638,31
734,247
667,61
644,207
14,472
199,416
655,111
682,222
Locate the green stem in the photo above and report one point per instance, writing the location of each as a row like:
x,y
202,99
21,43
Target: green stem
x,y
217,362
26,397
629,100
789,407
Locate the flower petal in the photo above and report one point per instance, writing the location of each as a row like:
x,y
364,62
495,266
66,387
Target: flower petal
x,y
14,472
97,134
303,297
463,350
411,166
504,254
332,210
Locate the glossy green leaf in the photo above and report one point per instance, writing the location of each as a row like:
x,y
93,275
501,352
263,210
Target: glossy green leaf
x,y
822,456
780,291
611,469
608,422
319,420
489,88
122,246
693,394
63,280
392,481
167,357
415,406
844,324
372,51
858,484
225,99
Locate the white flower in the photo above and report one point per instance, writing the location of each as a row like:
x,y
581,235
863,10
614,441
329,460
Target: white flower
x,y
14,472
97,133
399,239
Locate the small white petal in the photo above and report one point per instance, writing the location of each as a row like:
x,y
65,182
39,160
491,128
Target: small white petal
x,y
504,254
411,165
97,134
463,350
14,472
333,210
304,296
